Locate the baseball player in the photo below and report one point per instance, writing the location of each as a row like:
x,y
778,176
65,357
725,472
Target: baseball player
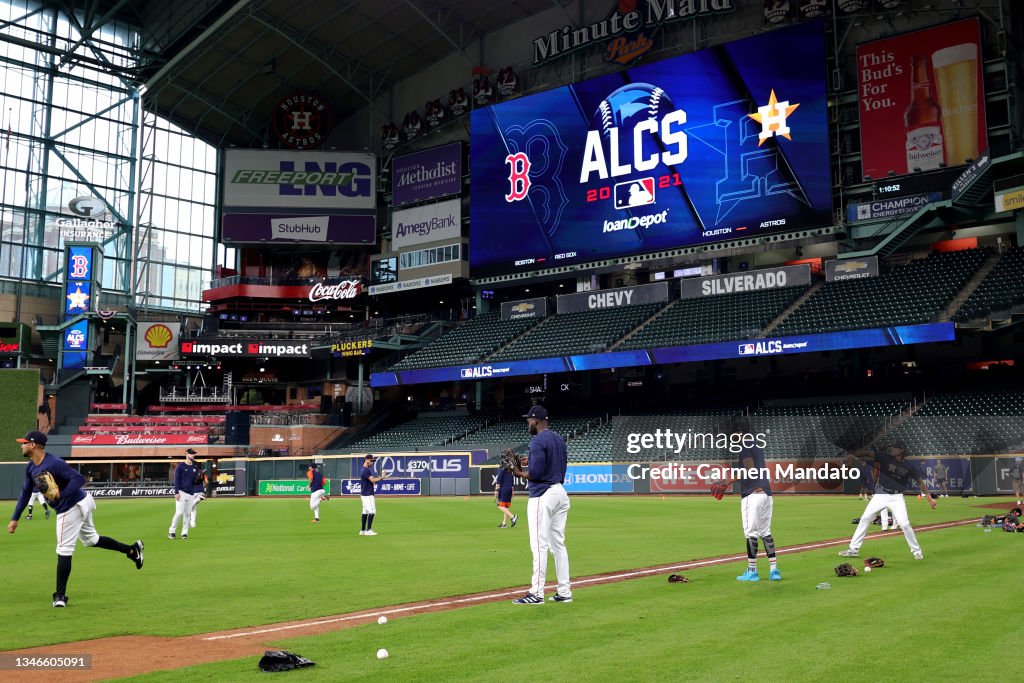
x,y
62,486
548,507
317,492
895,474
941,475
503,497
1017,477
756,504
367,480
184,494
37,496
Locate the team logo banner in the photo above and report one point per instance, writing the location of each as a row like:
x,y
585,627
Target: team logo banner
x,y
299,180
428,223
727,142
157,341
427,175
922,101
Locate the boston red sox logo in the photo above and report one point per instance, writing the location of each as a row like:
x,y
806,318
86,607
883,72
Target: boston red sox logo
x,y
79,267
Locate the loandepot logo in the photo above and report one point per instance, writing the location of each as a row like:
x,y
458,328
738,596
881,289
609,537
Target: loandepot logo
x,y
636,222
773,118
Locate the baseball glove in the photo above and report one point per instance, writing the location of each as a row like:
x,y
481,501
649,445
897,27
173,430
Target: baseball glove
x,y
719,489
677,578
510,460
846,569
47,486
874,562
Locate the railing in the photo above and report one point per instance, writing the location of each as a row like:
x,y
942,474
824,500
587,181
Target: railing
x,y
285,419
195,394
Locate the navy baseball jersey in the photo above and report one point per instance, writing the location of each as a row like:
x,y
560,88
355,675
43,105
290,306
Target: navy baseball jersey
x,y
365,485
549,459
504,485
749,484
185,478
895,476
317,482
68,480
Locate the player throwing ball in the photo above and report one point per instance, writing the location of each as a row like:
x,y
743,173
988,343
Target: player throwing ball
x,y
895,473
62,486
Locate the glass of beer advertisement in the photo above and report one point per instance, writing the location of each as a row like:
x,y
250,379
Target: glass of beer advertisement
x,y
922,101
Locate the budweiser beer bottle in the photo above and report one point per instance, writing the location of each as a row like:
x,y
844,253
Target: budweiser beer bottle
x,y
921,120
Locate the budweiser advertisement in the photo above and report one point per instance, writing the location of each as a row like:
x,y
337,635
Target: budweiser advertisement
x,y
138,439
922,101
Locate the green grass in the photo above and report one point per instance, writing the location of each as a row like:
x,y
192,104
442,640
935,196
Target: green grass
x,y
253,562
20,392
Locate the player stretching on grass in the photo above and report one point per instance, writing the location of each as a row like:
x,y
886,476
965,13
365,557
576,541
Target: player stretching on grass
x,y
895,474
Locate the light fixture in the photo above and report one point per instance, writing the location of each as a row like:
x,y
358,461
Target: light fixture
x,y
262,369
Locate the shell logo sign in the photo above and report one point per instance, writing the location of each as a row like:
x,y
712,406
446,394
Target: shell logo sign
x,y
157,341
158,336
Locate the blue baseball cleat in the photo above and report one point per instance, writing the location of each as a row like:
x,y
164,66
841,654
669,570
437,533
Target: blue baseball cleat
x,y
748,576
775,575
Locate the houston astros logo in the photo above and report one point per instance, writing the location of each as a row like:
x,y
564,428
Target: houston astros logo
x,y
773,118
302,121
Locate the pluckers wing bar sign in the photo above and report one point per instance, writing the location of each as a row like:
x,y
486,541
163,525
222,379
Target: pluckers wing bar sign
x,y
625,30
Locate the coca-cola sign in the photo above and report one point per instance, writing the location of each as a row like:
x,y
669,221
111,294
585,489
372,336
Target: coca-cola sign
x,y
349,289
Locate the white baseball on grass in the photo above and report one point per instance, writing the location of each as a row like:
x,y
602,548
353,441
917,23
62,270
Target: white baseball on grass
x,y
867,569
382,654
382,620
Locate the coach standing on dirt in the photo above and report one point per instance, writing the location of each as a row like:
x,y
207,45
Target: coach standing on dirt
x,y
548,507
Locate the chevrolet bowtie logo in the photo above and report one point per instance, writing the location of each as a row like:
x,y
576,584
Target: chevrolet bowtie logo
x,y
851,266
522,308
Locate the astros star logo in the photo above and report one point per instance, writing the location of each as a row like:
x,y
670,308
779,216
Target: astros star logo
x,y
77,299
772,118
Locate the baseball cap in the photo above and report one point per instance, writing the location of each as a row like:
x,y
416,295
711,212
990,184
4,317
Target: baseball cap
x,y
538,412
191,451
34,437
370,457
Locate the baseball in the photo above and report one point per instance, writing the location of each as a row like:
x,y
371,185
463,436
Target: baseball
x,y
867,569
382,654
382,621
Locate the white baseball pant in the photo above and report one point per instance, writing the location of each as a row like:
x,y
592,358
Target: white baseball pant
x,y
547,515
314,502
756,512
76,525
37,497
183,512
898,506
369,505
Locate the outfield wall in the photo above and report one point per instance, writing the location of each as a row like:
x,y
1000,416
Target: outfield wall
x,y
463,473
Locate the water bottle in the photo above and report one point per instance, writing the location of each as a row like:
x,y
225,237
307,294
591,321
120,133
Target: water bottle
x,y
824,586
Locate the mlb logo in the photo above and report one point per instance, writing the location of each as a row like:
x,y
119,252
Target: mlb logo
x,y
466,372
746,349
863,211
633,193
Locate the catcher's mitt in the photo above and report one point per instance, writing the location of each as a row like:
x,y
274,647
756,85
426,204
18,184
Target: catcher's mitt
x,y
719,489
510,460
47,486
677,578
846,569
874,562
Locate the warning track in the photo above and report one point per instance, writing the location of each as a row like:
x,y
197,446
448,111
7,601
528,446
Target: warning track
x,y
123,656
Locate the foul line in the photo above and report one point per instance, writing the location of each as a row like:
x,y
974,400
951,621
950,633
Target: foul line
x,y
604,578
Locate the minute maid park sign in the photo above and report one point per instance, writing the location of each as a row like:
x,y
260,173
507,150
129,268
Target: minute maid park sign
x,y
627,17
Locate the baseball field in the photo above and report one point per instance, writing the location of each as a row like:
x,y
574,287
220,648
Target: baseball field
x,y
256,575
